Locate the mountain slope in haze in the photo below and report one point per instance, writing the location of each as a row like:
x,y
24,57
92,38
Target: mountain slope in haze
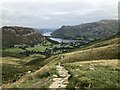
x,y
13,35
42,31
88,31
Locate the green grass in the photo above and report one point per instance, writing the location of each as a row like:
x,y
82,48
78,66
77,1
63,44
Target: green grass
x,y
104,75
43,75
107,52
14,68
42,81
11,73
115,39
21,60
13,50
37,48
42,48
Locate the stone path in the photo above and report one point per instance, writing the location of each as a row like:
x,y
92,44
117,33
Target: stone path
x,y
61,80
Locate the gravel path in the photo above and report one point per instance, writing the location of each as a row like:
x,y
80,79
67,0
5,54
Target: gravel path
x,y
61,80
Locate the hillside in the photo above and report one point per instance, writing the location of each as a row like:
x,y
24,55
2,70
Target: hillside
x,y
95,65
13,35
88,31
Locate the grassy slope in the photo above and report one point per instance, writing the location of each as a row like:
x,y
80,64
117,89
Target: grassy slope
x,y
44,74
104,50
95,66
107,52
94,74
115,39
14,68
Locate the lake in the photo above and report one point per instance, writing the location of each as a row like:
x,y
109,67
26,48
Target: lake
x,y
60,39
47,34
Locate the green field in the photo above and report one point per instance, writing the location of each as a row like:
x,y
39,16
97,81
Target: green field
x,y
14,50
37,48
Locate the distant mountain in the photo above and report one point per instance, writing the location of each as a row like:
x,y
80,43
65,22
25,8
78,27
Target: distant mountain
x,y
42,31
13,35
88,31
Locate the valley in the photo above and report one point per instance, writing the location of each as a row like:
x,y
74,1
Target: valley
x,y
60,45
82,65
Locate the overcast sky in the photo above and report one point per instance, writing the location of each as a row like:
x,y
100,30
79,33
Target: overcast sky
x,y
55,13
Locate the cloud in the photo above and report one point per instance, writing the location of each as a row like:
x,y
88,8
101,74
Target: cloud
x,y
60,13
45,18
55,13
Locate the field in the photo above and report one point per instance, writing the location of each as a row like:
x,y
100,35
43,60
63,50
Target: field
x,y
38,48
93,74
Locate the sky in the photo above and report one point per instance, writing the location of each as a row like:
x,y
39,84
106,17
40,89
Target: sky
x,y
55,13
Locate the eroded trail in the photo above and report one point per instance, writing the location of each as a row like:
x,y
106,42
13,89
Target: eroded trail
x,y
60,80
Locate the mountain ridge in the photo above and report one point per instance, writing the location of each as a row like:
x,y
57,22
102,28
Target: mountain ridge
x,y
88,31
14,35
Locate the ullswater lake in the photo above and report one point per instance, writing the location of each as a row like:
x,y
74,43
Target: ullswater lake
x,y
60,39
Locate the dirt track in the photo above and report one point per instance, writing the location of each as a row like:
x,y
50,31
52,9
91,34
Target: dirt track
x,y
61,80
